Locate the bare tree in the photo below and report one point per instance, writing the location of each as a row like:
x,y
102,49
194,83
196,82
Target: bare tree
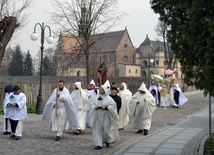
x,y
83,18
161,31
11,17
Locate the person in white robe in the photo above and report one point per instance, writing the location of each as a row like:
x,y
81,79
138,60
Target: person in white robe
x,y
104,118
179,98
92,91
126,96
142,107
16,111
6,126
171,94
59,109
80,100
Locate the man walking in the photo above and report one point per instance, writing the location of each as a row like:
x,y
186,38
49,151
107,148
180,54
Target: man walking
x,y
8,90
142,107
16,111
80,100
104,118
126,96
59,109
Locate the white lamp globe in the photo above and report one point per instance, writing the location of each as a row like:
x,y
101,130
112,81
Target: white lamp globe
x,y
50,40
151,61
34,36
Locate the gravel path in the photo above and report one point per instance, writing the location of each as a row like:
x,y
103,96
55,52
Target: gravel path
x,y
39,139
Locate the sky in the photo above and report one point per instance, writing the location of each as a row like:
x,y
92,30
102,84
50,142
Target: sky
x,y
139,21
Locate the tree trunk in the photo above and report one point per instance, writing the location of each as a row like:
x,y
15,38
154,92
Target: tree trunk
x,y
88,70
7,28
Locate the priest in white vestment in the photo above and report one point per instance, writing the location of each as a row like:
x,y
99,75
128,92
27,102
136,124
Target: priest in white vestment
x,y
6,126
80,100
142,107
59,109
92,91
126,96
104,118
16,111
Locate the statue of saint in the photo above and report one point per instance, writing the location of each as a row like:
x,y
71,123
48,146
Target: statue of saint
x,y
103,73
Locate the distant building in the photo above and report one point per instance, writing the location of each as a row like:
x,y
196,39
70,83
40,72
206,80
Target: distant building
x,y
115,49
154,50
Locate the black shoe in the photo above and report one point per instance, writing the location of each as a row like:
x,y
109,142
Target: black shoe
x,y
145,132
107,145
98,148
7,133
57,138
139,131
12,136
121,129
17,137
77,132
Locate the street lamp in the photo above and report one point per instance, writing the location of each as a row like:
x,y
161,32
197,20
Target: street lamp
x,y
150,61
50,40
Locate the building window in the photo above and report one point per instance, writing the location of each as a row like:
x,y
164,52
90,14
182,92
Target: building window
x,y
136,71
157,62
109,58
125,59
79,58
129,70
78,73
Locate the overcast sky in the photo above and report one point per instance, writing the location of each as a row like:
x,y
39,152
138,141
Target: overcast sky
x,y
140,21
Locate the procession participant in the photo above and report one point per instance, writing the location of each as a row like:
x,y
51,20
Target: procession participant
x,y
142,107
16,111
80,100
165,101
153,91
6,127
104,118
116,98
179,98
158,94
59,109
126,96
92,91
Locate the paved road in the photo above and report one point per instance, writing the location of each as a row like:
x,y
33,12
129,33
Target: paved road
x,y
185,138
38,138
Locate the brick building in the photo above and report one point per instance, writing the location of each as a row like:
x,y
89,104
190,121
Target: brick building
x,y
115,49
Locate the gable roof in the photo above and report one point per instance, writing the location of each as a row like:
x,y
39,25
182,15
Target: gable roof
x,y
106,42
103,42
158,46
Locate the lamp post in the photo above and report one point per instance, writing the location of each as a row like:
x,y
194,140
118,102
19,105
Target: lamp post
x,y
150,61
34,37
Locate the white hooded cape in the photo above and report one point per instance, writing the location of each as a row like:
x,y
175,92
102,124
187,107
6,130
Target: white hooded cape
x,y
80,100
144,109
126,96
106,120
69,106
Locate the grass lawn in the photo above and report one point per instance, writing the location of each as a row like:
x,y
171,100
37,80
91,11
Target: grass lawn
x,y
209,146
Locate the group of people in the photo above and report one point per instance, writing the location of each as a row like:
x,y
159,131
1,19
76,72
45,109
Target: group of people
x,y
106,109
165,98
